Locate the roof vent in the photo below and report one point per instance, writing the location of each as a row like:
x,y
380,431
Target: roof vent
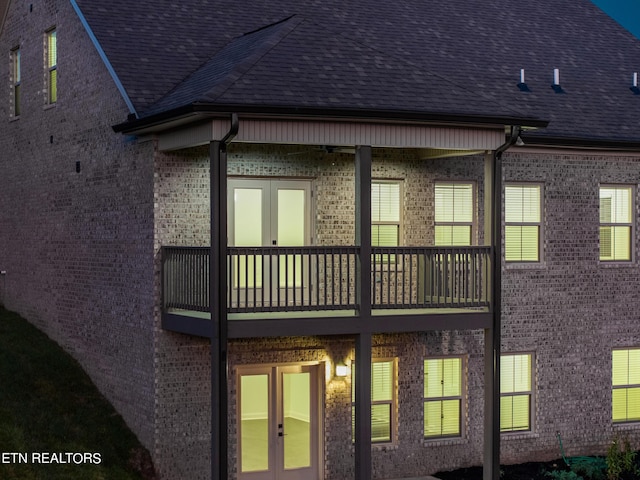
x,y
522,85
556,81
634,87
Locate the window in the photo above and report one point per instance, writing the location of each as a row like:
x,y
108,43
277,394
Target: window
x,y
522,212
442,397
626,385
383,400
616,223
385,214
515,392
52,67
16,80
453,213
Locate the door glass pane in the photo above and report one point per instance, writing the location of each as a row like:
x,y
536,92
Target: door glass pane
x,y
291,226
254,423
296,405
247,232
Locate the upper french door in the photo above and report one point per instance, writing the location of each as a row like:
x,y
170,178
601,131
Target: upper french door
x,y
263,213
278,423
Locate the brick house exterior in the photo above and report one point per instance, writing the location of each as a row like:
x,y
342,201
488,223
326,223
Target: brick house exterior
x,y
96,184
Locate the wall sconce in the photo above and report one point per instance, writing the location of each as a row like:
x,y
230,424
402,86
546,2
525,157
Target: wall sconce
x,y
341,370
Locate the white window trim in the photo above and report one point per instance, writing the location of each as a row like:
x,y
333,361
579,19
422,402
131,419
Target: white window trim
x,y
48,69
461,398
540,225
531,393
393,404
632,225
474,216
621,387
16,71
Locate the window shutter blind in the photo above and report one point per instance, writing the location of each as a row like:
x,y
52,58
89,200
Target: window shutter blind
x,y
382,385
453,205
522,223
385,214
615,223
515,377
626,383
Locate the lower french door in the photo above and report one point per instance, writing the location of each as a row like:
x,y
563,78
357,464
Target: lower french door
x,y
278,423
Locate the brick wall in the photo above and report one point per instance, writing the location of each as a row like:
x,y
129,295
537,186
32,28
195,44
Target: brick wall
x,y
569,310
77,246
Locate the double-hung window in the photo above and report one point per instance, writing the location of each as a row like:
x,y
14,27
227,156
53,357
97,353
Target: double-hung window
x,y
523,224
383,400
385,213
616,222
52,66
16,80
516,392
453,213
443,397
625,395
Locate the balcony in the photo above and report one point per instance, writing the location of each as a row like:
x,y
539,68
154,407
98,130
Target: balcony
x,y
267,282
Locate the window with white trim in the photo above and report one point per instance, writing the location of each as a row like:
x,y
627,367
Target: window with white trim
x,y
516,392
453,214
52,66
383,400
616,222
16,81
625,380
523,222
385,213
443,397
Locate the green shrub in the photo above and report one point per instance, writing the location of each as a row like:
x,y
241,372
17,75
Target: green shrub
x,y
590,468
621,460
563,475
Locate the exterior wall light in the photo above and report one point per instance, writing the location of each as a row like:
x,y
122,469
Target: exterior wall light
x,y
341,370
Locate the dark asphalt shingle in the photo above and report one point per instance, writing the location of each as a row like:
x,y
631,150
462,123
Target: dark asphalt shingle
x,y
459,56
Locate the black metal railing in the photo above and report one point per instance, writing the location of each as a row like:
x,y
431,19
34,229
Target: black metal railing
x,y
268,279
430,277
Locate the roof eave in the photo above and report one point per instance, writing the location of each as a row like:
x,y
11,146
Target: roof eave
x,y
196,111
559,141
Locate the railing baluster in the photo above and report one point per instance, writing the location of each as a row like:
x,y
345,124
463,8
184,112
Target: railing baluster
x,y
320,278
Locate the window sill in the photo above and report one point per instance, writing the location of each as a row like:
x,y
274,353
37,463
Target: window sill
x,y
444,441
49,106
617,264
519,435
14,118
510,266
626,426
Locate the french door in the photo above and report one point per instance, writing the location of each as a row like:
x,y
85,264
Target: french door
x,y
278,423
266,213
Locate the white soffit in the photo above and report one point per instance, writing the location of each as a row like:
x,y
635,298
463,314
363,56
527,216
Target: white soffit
x,y
313,132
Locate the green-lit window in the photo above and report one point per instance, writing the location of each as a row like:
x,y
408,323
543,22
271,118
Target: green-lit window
x,y
453,213
515,392
52,66
626,385
442,397
383,400
385,214
522,231
16,80
616,223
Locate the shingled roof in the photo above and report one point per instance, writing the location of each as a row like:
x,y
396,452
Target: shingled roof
x,y
461,57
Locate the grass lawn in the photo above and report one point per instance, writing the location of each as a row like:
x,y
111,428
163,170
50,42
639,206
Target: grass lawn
x,y
50,413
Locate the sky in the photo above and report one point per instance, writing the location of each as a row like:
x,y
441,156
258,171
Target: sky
x,y
625,12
